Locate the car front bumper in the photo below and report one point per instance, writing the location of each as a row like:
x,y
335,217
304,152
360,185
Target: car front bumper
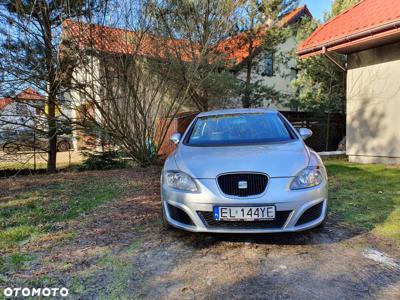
x,y
290,207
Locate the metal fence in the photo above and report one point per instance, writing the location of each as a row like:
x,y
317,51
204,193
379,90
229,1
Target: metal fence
x,y
25,152
328,128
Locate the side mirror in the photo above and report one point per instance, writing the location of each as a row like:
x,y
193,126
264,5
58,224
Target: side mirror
x,y
175,138
305,133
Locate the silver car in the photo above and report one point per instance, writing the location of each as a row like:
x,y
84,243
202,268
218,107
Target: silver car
x,y
243,171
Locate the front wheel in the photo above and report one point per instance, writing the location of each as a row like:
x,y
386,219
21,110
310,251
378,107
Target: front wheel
x,y
63,146
11,148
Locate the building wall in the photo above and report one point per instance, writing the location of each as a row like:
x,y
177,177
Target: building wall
x,y
11,119
373,105
87,75
283,74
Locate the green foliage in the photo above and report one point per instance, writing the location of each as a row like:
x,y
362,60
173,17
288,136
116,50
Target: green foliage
x,y
321,85
338,6
14,262
29,38
261,95
103,161
219,87
120,272
26,46
257,14
14,235
202,24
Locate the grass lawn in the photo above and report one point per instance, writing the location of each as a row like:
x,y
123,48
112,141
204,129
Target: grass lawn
x,y
36,210
366,196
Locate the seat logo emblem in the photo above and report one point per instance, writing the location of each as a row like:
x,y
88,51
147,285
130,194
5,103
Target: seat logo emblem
x,y
242,185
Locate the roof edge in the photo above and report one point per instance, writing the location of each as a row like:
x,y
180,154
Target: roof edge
x,y
371,32
330,21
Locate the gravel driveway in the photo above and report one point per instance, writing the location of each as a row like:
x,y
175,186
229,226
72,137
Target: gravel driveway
x,y
329,264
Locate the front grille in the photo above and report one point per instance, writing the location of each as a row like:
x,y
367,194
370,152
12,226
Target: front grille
x,y
256,184
280,218
310,214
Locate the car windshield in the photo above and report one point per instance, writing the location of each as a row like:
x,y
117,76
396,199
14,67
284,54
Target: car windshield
x,y
238,129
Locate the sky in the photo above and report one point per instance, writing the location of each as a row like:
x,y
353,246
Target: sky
x,y
317,7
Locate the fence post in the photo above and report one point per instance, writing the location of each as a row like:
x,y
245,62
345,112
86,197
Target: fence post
x,y
34,149
328,125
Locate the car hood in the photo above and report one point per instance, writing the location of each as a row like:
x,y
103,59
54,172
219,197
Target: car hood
x,y
282,159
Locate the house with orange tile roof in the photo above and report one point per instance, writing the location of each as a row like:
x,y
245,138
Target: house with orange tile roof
x,y
117,42
269,70
272,70
369,35
17,113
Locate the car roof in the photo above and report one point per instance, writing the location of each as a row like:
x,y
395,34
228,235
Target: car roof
x,y
236,111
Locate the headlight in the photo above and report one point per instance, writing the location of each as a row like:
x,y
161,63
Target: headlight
x,y
180,181
309,177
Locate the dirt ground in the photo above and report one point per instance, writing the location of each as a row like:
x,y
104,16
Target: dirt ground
x,y
121,251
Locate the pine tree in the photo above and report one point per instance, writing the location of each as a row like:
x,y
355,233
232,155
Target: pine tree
x,y
29,38
321,85
261,19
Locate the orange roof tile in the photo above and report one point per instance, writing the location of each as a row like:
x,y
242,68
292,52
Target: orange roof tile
x,y
359,24
4,102
29,94
119,41
236,48
292,16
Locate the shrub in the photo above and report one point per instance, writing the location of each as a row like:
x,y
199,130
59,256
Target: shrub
x,y
103,161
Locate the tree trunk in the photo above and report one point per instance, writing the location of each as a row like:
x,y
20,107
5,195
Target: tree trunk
x,y
246,103
52,88
204,103
52,136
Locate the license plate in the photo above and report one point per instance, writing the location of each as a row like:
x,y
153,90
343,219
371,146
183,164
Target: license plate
x,y
248,213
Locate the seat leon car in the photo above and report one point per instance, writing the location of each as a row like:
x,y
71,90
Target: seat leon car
x,y
243,171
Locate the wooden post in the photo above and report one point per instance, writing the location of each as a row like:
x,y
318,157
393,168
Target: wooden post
x,y
327,130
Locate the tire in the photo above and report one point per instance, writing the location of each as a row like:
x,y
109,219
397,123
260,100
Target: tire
x,y
10,148
62,146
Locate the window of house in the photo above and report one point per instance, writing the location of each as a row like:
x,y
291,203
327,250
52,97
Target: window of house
x,y
293,73
268,65
22,109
